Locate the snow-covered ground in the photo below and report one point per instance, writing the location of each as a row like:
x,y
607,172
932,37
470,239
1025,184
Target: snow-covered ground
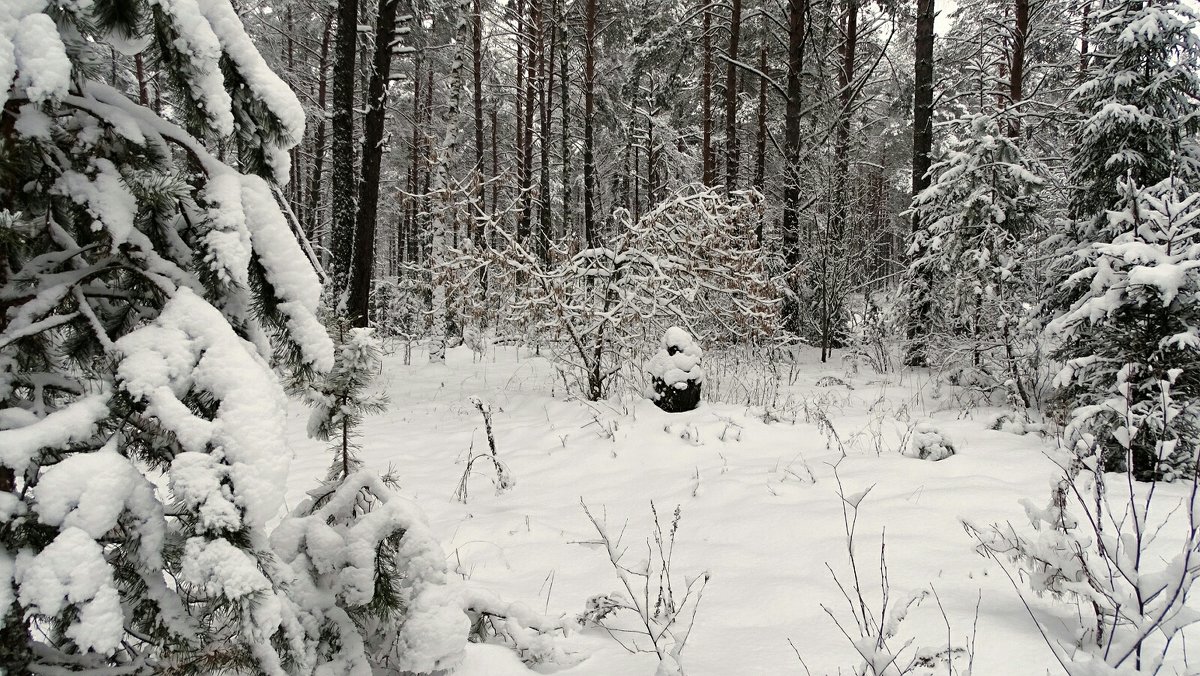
x,y
759,503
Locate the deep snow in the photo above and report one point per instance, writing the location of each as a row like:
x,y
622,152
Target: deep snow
x,y
760,510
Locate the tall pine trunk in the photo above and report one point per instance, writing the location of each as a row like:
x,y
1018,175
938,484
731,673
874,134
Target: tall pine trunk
x,y
342,146
918,320
590,16
731,97
791,146
443,190
372,155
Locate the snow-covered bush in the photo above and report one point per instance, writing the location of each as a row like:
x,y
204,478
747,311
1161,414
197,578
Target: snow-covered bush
x,y
372,575
675,372
1097,545
685,261
929,443
149,286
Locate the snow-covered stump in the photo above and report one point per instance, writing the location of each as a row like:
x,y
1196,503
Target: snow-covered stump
x,y
675,373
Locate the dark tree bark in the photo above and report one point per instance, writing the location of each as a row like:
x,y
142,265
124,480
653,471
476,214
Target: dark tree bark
x,y
545,103
709,171
342,146
591,11
564,85
921,160
532,73
519,131
318,162
477,99
760,141
1016,66
372,154
731,97
1084,29
791,146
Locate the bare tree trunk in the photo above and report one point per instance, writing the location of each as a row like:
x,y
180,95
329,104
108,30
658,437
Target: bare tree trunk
x,y
545,101
709,175
314,185
791,146
1084,46
591,11
564,84
519,140
442,185
477,82
1016,81
532,72
922,150
495,161
731,97
342,122
372,155
760,149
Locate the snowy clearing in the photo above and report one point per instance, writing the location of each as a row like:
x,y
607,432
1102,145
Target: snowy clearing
x,y
759,502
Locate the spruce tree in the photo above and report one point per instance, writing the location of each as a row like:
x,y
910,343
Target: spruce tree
x,y
149,280
1118,329
978,213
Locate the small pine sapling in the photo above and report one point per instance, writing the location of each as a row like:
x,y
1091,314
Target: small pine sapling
x,y
342,398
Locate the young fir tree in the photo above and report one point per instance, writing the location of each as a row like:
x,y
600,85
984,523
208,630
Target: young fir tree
x,y
1134,335
1138,155
979,212
147,285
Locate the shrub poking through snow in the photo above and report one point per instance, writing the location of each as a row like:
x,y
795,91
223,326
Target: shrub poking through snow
x,y
648,590
675,372
504,480
929,443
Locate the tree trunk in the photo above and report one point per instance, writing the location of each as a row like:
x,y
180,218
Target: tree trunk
x,y
1016,70
477,83
591,10
709,173
342,122
545,101
731,98
760,145
564,85
918,321
314,184
791,145
372,155
442,185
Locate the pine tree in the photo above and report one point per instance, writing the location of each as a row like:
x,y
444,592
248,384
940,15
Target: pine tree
x,y
1137,107
147,287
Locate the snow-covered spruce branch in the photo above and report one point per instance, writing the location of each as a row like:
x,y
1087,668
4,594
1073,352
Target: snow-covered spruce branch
x,y
649,593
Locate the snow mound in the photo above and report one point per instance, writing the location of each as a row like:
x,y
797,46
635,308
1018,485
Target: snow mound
x,y
929,443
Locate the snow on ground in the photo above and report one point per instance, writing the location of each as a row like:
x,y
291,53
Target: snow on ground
x,y
763,517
